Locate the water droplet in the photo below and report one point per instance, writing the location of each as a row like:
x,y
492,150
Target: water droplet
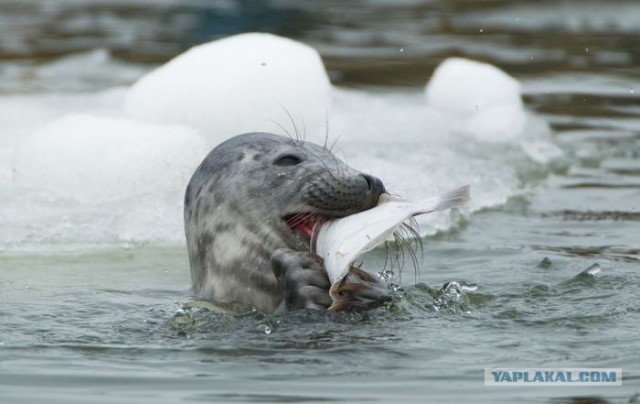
x,y
265,328
401,49
481,30
452,298
182,318
385,275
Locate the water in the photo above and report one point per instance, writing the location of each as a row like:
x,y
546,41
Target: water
x,y
92,295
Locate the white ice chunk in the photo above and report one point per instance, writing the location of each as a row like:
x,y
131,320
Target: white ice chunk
x,y
504,123
479,99
465,86
91,158
238,84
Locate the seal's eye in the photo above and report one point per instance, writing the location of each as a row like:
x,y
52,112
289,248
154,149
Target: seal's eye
x,y
288,160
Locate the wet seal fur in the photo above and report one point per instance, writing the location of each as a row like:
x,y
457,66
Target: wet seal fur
x,y
250,210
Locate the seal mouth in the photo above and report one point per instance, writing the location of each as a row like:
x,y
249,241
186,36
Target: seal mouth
x,y
305,223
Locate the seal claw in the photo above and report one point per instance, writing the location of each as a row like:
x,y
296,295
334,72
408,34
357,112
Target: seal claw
x,y
302,278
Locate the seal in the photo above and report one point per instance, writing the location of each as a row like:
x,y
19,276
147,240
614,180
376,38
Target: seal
x,y
250,210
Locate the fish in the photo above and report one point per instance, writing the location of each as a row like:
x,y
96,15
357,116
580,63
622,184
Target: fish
x,y
339,242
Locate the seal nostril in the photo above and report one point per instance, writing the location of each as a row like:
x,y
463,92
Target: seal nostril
x,y
369,181
374,185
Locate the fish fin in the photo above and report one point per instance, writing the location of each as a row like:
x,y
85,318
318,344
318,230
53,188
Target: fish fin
x,y
454,199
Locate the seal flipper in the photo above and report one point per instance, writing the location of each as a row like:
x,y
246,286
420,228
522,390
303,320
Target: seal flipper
x,y
302,279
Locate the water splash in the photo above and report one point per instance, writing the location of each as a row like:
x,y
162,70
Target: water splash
x,y
586,277
452,297
183,320
265,328
591,271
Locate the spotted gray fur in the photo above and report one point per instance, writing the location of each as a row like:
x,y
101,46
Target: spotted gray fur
x,y
234,209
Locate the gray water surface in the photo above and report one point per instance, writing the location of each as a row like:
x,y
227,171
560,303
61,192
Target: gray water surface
x,y
109,325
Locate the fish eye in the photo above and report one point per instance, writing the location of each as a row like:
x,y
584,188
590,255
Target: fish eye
x,y
288,160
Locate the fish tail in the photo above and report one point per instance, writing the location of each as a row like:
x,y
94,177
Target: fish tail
x,y
454,199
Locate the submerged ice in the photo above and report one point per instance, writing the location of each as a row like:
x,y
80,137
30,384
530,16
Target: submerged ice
x,y
92,159
109,168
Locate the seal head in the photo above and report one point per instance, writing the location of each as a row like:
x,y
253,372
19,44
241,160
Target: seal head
x,y
252,205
